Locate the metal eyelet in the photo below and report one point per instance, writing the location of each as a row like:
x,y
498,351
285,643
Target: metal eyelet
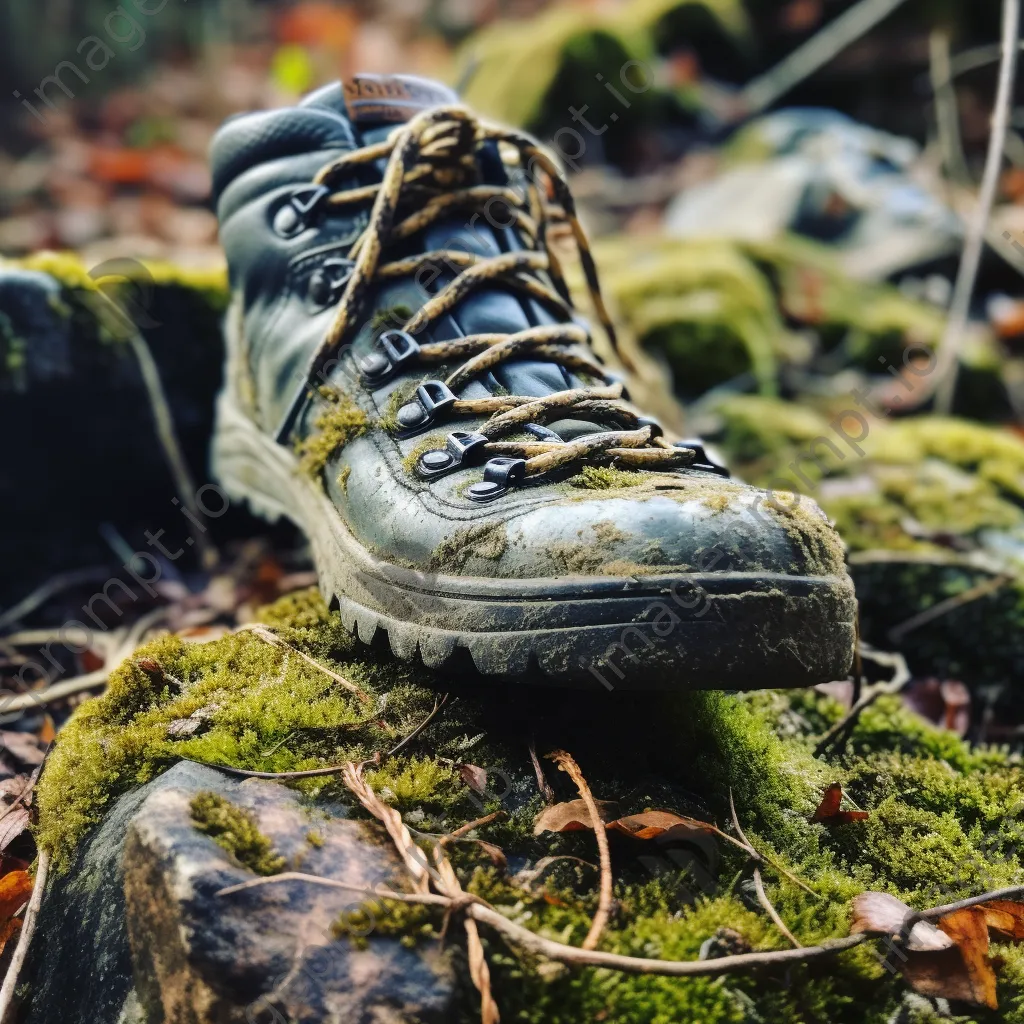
x,y
393,350
327,282
701,460
462,448
432,398
499,475
298,211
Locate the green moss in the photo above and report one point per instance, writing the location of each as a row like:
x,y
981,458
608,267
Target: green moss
x,y
343,479
341,422
426,444
603,478
236,831
946,819
487,541
402,395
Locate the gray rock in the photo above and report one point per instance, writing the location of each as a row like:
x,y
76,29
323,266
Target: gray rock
x,y
173,951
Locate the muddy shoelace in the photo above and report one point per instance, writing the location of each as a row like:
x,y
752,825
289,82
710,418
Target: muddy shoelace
x,y
431,171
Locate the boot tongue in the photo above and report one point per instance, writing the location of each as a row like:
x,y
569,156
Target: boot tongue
x,y
374,104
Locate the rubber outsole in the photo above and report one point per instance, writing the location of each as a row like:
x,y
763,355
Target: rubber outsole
x,y
710,631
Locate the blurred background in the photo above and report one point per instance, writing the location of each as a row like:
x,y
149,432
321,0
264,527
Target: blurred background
x,y
779,194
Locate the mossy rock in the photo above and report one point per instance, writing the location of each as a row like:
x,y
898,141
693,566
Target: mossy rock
x,y
70,382
932,509
944,818
717,309
530,72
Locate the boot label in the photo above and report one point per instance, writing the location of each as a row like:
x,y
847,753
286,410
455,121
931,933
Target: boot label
x,y
391,98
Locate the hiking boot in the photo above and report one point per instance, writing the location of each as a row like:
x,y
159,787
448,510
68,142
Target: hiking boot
x,y
407,380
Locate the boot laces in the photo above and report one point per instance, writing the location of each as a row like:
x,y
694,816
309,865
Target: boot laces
x,y
432,171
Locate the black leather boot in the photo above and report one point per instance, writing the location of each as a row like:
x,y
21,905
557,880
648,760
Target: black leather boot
x,y
407,381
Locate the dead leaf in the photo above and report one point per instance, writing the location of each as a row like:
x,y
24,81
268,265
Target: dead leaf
x,y
47,734
12,824
964,972
495,853
23,746
474,777
15,889
8,930
14,786
571,816
1005,918
878,913
968,928
828,811
652,824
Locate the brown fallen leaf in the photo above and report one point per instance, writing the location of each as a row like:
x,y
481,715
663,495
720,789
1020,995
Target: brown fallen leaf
x,y
878,913
828,812
653,824
474,777
571,816
15,889
12,824
8,930
23,746
968,928
1005,918
963,972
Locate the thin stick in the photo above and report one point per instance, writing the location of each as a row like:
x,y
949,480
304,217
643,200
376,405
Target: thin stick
x,y
566,762
947,114
762,898
766,89
1013,892
25,938
944,375
479,971
758,858
542,783
936,611
54,585
464,830
553,950
438,704
272,638
900,678
167,435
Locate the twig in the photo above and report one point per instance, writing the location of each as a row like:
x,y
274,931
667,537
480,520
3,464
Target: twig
x,y
566,762
54,585
947,114
766,89
272,638
479,972
528,876
1013,892
897,633
523,937
762,898
25,938
942,381
78,684
542,783
464,830
438,704
900,678
166,434
758,858
410,853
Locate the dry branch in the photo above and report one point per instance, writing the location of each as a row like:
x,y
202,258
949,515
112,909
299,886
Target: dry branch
x,y
566,762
